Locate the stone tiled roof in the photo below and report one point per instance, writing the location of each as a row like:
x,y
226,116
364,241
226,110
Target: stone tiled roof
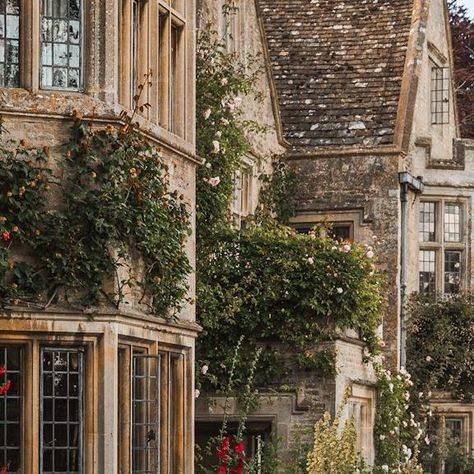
x,y
337,67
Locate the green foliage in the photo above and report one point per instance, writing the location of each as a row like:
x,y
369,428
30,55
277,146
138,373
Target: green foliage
x,y
24,184
113,205
222,134
438,361
435,356
334,450
276,195
284,292
398,431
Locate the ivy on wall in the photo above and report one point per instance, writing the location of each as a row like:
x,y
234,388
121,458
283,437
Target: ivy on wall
x,y
64,237
285,292
222,133
279,290
436,356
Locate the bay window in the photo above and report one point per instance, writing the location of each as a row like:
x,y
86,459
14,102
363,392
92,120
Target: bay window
x,y
60,40
61,418
152,389
144,26
442,247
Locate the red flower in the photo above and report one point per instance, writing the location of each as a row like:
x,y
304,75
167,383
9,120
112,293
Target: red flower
x,y
223,451
239,469
239,448
6,237
4,389
3,370
220,470
4,469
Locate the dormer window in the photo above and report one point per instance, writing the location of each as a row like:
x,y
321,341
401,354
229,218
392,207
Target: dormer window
x,y
440,80
153,38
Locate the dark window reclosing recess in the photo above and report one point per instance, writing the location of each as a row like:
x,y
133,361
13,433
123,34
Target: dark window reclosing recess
x,y
61,420
9,43
10,409
146,414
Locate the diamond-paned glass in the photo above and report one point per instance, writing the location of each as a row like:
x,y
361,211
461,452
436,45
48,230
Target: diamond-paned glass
x,y
427,272
427,223
452,222
9,43
452,271
61,44
10,408
61,411
145,414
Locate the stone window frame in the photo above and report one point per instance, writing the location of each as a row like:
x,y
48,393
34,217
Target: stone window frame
x,y
173,409
30,405
243,191
440,92
443,411
440,246
30,48
350,218
166,97
362,400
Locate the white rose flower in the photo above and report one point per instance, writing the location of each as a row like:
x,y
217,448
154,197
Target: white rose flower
x,y
214,181
207,114
204,369
310,260
197,393
340,290
224,81
217,146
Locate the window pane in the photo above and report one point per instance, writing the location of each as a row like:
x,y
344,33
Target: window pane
x,y
146,409
341,232
10,43
452,272
61,411
175,77
452,222
427,224
440,95
427,272
454,430
10,408
61,35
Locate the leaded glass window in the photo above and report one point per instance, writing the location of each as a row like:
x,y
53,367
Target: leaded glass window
x,y
61,411
10,408
427,265
427,224
440,81
145,414
9,43
452,222
452,272
61,33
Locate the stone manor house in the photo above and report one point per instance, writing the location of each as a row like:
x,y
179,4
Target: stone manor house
x,y
363,105
359,99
